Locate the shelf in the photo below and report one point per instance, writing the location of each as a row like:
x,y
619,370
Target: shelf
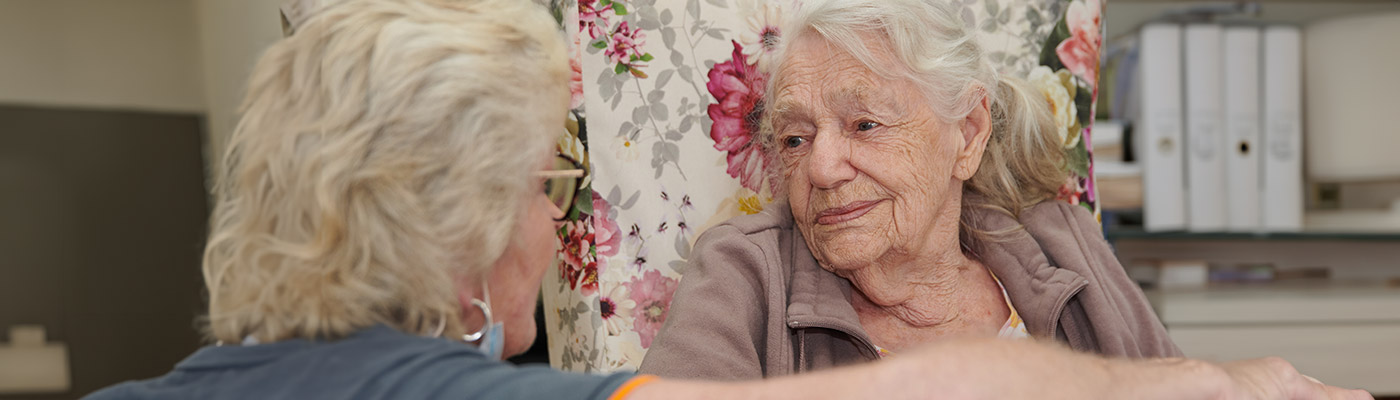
x,y
1279,302
1138,234
1124,16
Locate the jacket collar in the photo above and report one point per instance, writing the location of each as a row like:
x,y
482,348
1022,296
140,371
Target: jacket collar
x,y
818,298
1038,289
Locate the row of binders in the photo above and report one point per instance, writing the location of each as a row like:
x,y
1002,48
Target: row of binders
x,y
1221,127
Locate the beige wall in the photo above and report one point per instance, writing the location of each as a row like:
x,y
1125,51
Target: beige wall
x,y
233,34
109,54
184,56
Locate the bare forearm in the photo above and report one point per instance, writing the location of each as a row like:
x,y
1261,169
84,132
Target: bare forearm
x,y
845,383
866,381
975,369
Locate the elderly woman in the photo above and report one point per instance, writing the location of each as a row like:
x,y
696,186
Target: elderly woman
x,y
919,206
380,219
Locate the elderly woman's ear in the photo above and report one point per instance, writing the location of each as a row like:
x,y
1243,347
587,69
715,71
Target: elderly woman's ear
x,y
976,129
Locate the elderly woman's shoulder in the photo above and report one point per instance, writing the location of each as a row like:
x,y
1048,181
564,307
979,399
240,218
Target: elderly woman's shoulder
x,y
753,241
774,216
1055,215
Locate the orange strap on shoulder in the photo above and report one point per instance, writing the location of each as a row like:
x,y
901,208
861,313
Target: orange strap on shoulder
x,y
632,384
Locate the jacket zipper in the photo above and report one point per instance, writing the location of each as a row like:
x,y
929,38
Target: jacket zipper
x,y
865,342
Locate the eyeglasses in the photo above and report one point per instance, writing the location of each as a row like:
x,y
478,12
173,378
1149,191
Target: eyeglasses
x,y
562,182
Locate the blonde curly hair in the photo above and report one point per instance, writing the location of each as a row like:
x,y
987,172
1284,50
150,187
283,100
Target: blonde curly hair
x,y
384,151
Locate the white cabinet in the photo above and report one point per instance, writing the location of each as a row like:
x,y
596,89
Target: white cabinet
x,y
1344,336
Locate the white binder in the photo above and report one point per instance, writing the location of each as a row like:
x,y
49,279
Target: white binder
x,y
1159,127
1242,120
1283,132
1205,128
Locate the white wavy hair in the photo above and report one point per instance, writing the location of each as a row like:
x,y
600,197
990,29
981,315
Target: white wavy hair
x,y
385,150
1023,163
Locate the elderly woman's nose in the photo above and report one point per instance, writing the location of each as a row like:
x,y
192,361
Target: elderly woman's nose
x,y
829,164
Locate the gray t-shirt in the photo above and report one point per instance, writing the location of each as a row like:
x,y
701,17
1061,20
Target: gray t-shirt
x,y
376,363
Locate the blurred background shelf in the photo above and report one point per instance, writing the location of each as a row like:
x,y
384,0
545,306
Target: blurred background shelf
x,y
1275,303
1114,235
1125,16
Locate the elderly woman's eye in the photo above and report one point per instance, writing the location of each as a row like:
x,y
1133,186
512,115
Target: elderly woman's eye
x,y
866,125
793,141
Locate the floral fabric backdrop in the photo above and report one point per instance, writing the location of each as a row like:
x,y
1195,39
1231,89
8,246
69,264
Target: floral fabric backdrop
x,y
665,99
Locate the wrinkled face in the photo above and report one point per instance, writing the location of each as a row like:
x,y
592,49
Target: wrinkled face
x,y
867,163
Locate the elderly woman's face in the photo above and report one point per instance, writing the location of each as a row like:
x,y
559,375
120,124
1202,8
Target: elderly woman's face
x,y
868,165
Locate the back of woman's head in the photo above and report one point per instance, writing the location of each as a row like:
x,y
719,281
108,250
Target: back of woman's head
x,y
1022,164
383,152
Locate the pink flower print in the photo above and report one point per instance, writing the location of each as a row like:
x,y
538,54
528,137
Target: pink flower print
x,y
626,46
575,83
593,19
686,205
578,266
634,236
640,259
606,235
616,309
652,293
1079,57
1089,194
615,304
684,228
1084,19
679,222
1080,53
1071,191
738,90
761,40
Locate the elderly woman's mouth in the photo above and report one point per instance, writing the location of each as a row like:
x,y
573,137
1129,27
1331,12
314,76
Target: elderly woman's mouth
x,y
850,211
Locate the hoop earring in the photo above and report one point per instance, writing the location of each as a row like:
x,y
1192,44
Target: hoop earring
x,y
441,326
485,311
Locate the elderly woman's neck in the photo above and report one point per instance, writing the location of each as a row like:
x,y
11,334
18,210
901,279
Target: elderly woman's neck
x,y
922,291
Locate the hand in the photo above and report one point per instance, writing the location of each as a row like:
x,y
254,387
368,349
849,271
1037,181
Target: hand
x,y
1273,378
